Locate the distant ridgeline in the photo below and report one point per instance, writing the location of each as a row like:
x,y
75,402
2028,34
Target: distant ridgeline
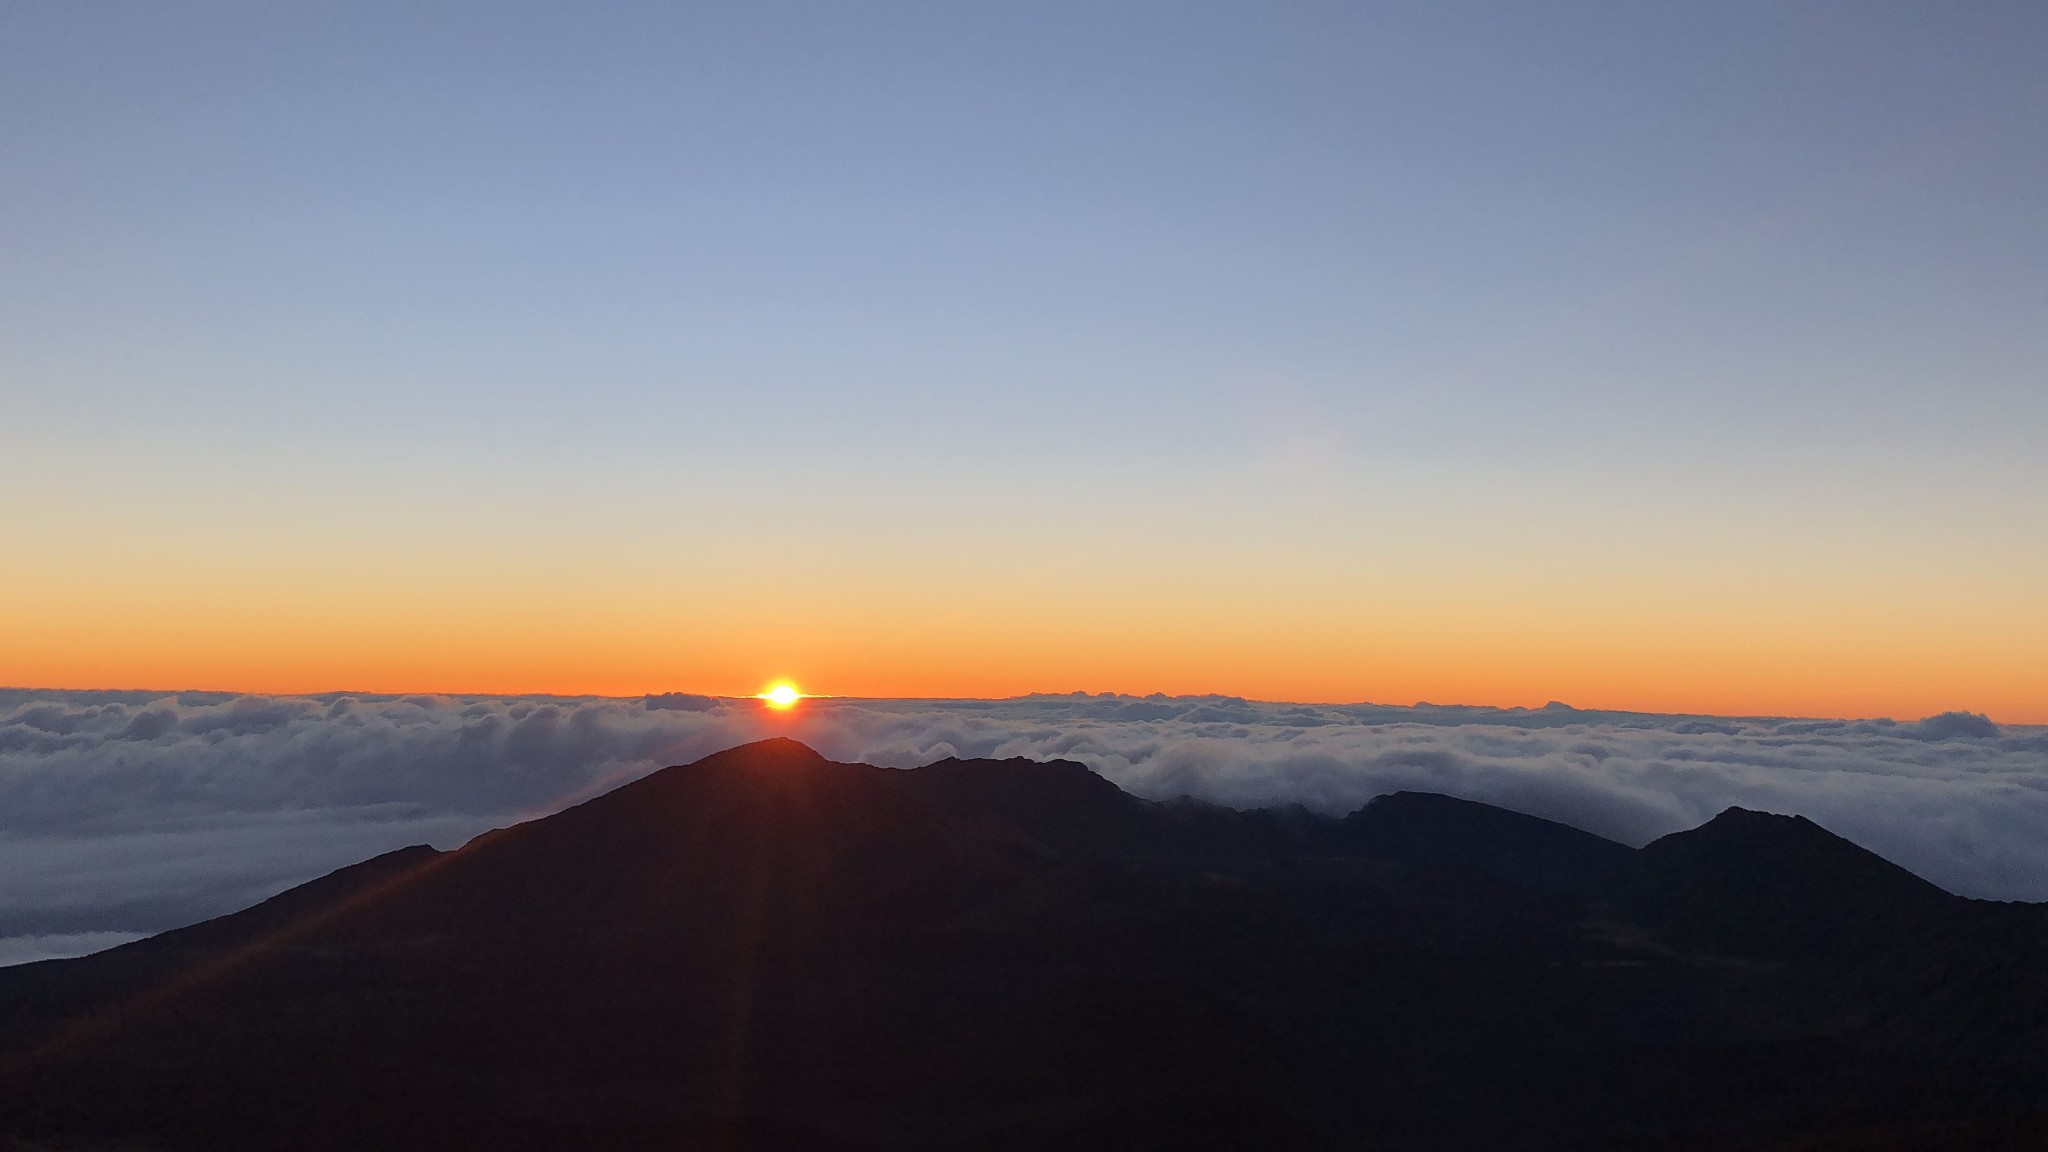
x,y
1556,714
765,949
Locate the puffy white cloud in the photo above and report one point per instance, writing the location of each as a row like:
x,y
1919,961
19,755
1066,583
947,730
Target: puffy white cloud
x,y
133,812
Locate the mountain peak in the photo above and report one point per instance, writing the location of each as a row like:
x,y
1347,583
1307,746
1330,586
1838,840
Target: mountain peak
x,y
1060,803
1790,843
1736,815
772,750
1771,885
1431,830
1735,824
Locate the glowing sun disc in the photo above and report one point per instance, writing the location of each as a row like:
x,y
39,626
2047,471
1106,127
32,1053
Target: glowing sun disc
x,y
781,695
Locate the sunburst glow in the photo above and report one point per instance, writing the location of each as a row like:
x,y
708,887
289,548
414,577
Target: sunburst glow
x,y
782,694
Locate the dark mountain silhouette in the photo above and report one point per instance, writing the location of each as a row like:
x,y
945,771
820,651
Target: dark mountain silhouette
x,y
1778,887
766,949
1425,830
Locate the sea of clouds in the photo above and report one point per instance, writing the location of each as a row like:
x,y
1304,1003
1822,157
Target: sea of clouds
x,y
123,814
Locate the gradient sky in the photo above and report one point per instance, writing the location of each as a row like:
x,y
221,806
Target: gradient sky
x,y
1659,356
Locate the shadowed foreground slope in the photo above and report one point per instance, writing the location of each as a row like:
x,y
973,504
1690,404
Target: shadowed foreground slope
x,y
769,950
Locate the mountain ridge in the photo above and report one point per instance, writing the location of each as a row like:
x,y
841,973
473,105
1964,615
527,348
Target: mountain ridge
x,y
766,948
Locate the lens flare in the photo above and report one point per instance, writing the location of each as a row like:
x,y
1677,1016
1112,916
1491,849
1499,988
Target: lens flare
x,y
780,695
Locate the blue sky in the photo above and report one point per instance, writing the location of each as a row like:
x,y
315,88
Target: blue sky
x,y
1653,290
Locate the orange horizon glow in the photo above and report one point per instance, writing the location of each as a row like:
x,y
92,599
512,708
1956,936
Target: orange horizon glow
x,y
1844,703
1823,654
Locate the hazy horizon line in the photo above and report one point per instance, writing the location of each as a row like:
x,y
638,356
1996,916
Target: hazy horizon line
x,y
1549,705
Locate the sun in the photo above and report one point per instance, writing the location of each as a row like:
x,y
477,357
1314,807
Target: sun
x,y
781,694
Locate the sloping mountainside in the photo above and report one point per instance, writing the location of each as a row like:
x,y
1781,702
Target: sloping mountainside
x,y
769,950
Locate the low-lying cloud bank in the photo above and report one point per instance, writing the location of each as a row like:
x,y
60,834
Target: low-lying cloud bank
x,y
130,813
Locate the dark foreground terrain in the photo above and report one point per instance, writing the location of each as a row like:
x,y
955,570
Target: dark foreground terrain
x,y
768,950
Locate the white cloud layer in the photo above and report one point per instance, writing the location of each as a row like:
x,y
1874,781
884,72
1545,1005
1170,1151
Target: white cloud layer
x,y
126,813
